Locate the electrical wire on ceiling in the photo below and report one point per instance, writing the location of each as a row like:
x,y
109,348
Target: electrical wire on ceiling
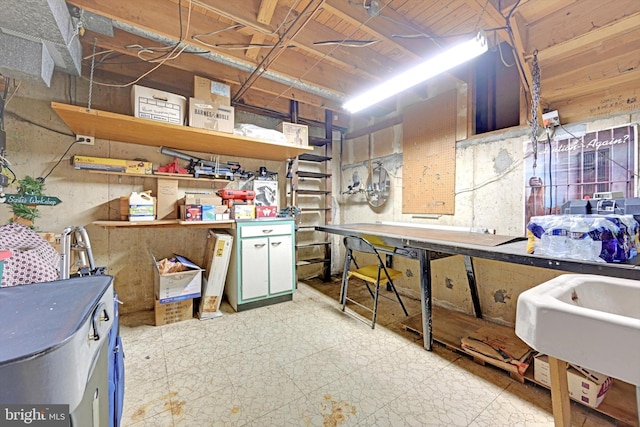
x,y
445,36
239,46
276,32
347,43
325,55
167,56
287,35
197,37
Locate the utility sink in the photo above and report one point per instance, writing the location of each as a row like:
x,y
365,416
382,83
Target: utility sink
x,y
592,321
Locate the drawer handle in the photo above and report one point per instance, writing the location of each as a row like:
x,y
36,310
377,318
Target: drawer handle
x,y
267,230
259,245
100,315
275,243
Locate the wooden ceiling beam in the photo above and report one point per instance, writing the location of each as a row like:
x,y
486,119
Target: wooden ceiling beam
x,y
265,11
609,100
595,36
494,18
578,20
210,69
284,39
590,78
361,61
382,28
254,54
161,18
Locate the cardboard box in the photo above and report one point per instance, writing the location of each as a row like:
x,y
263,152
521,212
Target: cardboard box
x,y
192,213
266,193
266,211
167,199
208,213
211,90
173,312
204,114
201,199
158,105
211,213
217,255
177,286
296,134
243,211
112,165
590,391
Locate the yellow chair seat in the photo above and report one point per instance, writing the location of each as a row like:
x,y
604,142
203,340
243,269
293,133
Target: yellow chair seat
x,y
370,274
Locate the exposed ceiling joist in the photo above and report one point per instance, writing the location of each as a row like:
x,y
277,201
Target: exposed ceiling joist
x,y
287,37
265,12
585,47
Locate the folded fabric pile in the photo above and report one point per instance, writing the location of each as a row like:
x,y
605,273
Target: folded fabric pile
x,y
34,260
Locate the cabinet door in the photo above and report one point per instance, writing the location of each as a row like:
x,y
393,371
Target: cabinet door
x,y
255,268
280,264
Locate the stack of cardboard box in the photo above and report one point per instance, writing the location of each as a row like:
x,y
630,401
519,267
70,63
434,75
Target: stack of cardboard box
x,y
202,207
210,108
175,292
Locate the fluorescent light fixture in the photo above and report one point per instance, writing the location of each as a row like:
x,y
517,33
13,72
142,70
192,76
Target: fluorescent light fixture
x,y
448,59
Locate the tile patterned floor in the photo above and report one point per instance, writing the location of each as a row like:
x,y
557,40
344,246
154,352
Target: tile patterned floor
x,y
305,363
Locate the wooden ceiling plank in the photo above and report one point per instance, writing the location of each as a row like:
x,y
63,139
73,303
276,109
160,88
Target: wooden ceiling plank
x,y
614,70
242,12
533,11
458,18
380,27
597,35
265,11
609,100
211,69
284,39
570,89
577,19
253,54
144,14
368,65
615,50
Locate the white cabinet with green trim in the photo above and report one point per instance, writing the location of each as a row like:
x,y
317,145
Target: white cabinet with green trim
x,y
262,266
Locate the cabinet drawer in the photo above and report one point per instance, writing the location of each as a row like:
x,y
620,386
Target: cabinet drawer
x,y
265,230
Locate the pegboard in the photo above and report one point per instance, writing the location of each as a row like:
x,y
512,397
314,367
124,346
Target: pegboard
x,y
429,151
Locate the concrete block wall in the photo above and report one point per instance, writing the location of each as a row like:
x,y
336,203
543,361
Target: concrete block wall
x,y
490,193
37,139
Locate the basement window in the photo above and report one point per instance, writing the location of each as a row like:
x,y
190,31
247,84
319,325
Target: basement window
x,y
497,90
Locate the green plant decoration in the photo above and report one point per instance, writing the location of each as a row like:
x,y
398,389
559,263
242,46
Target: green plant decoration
x,y
22,213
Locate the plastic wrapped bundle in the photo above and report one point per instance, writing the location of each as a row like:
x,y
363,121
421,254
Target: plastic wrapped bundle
x,y
599,238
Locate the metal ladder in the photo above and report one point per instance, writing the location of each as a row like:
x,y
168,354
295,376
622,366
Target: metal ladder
x,y
75,239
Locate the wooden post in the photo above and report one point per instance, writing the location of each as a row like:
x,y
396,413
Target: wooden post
x,y
560,392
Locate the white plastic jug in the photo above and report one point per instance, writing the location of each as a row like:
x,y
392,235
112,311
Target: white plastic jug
x,y
141,207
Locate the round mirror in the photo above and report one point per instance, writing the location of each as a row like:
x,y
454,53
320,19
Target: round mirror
x,y
378,186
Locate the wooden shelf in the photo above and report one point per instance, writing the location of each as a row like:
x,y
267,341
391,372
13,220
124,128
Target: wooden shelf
x,y
216,183
166,223
118,127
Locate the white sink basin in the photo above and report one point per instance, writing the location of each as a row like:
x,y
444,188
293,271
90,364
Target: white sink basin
x,y
592,321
